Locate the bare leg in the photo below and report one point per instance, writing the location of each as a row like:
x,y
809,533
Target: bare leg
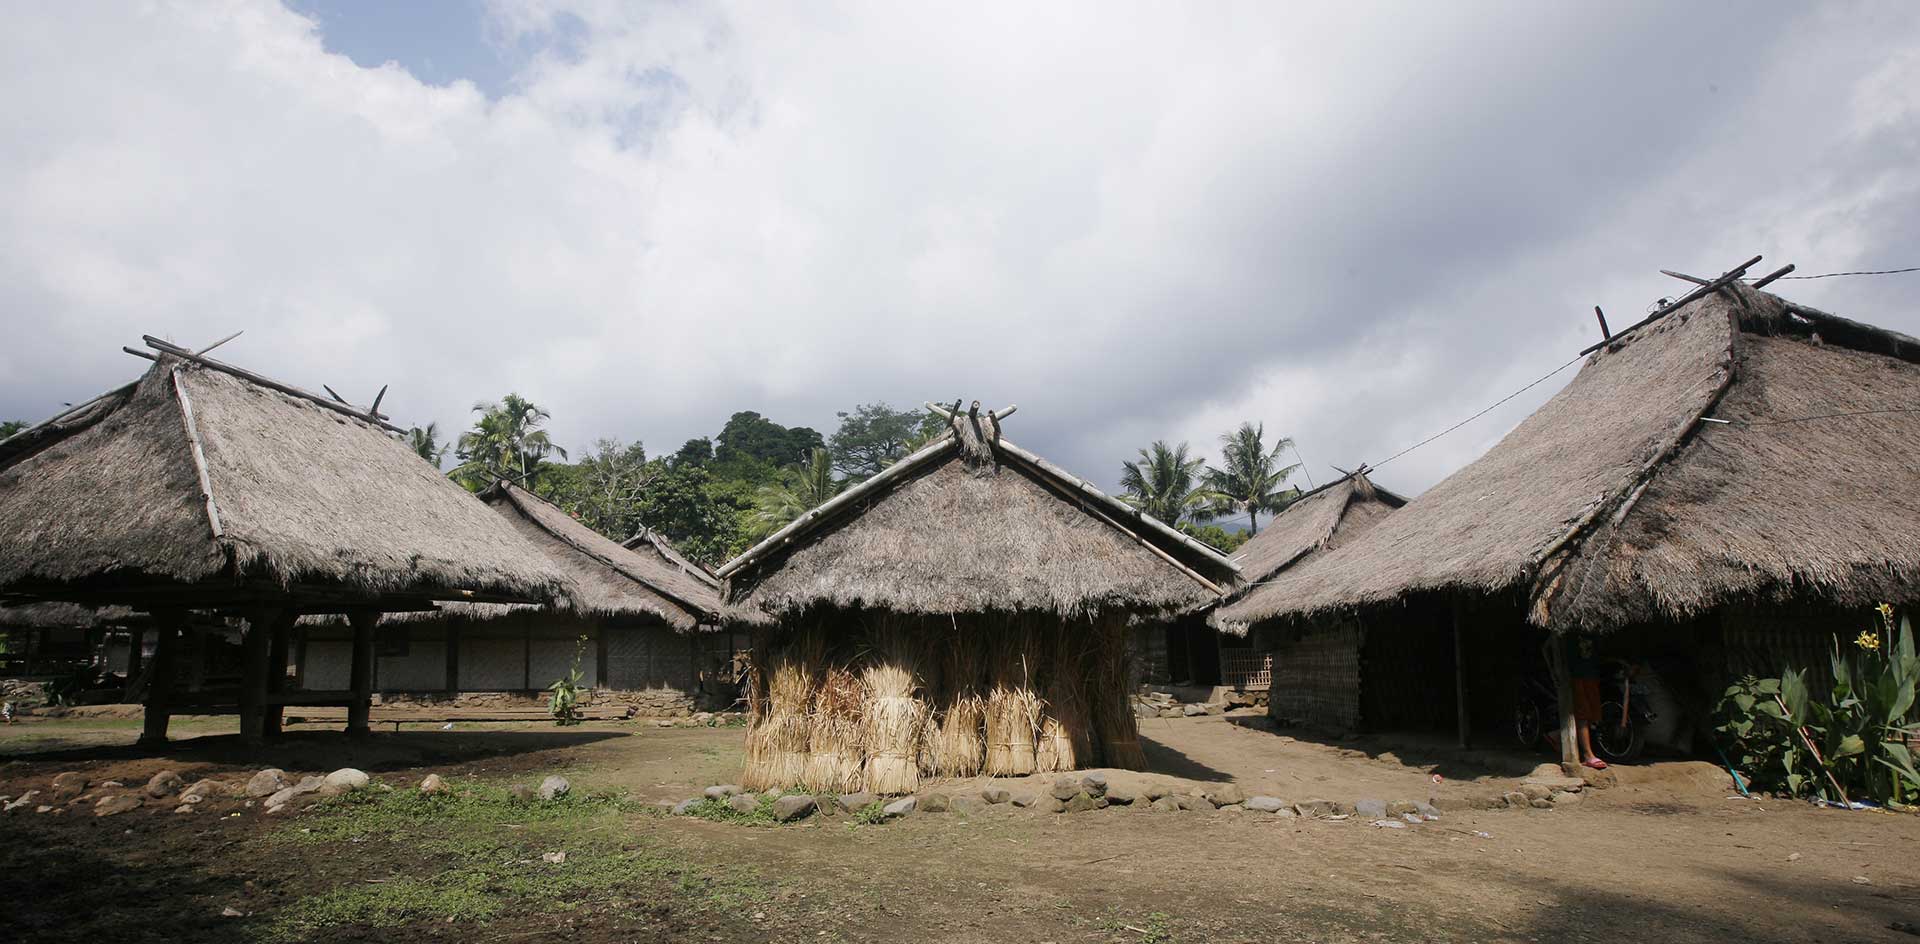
x,y
1586,742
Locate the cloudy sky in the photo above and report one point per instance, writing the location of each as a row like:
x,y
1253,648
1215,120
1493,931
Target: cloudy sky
x,y
1137,222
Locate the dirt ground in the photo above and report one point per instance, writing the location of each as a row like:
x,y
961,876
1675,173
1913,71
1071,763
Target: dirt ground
x,y
1665,855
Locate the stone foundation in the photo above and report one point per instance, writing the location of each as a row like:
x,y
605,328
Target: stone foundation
x,y
646,703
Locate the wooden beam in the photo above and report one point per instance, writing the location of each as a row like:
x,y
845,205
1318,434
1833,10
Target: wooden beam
x,y
1709,288
277,647
199,455
256,653
358,713
1767,279
167,627
269,383
1563,687
1463,721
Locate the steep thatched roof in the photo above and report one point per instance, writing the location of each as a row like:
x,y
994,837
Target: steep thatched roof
x,y
1616,502
973,523
197,475
1316,522
609,580
651,542
67,616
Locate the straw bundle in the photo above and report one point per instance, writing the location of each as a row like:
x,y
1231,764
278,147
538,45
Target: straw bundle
x,y
894,720
834,734
777,745
1113,714
1065,725
1013,710
959,742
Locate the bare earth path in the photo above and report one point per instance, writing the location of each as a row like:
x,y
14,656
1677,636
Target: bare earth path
x,y
1665,856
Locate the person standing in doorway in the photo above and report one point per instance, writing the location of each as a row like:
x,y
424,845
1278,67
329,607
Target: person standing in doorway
x,y
1584,671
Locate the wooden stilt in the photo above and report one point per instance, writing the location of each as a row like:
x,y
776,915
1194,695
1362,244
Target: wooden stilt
x,y
361,710
1563,684
1465,722
136,643
256,651
453,656
600,656
277,647
196,658
167,627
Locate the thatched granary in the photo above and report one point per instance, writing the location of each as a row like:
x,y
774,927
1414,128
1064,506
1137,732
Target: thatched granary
x,y
203,486
644,630
962,612
1724,488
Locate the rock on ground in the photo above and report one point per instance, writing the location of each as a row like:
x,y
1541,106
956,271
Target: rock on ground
x,y
1229,794
1155,791
521,791
969,805
1080,803
855,802
1401,808
432,784
743,802
205,789
721,791
1025,799
995,795
1193,803
685,807
1563,798
1047,804
900,807
68,785
165,783
1313,808
1119,796
24,800
1094,784
1518,800
1193,711
1370,808
343,781
115,805
1266,804
267,782
1536,791
790,808
1065,788
935,803
554,787
1167,804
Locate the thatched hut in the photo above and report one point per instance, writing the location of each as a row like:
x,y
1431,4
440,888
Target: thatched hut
x,y
203,486
644,632
1298,676
962,612
1721,490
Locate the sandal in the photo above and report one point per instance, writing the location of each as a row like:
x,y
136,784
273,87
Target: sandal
x,y
1596,764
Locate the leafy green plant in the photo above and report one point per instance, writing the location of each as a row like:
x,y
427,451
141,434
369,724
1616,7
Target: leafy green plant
x,y
565,703
873,814
1855,742
720,812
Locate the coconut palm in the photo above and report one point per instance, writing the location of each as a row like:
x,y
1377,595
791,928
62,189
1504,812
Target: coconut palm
x,y
799,489
426,442
1250,477
1167,484
506,442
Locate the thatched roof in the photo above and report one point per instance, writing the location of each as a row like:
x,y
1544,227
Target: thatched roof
x,y
1316,522
651,542
609,580
1616,502
197,475
973,523
67,616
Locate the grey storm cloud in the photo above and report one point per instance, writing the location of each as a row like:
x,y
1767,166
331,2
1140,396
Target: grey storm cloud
x,y
1138,223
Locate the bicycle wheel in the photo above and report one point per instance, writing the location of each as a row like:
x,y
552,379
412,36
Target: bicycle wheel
x,y
1615,739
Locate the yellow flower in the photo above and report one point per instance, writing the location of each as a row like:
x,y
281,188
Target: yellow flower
x,y
1868,641
1886,612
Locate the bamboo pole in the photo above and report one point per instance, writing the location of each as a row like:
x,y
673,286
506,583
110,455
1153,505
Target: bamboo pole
x,y
361,710
1563,687
267,382
199,455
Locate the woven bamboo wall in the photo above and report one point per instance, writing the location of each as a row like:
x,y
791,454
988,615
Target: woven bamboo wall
x,y
1316,677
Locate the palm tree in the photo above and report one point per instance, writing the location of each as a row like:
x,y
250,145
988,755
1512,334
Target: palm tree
x,y
426,442
800,489
1167,484
506,442
1251,478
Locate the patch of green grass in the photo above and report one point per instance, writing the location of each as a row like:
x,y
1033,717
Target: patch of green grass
x,y
873,814
720,812
476,856
1155,928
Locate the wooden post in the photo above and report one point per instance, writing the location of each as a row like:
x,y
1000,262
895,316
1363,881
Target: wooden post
x,y
600,655
361,710
1563,685
136,641
453,656
256,651
277,646
196,658
1460,673
526,653
167,626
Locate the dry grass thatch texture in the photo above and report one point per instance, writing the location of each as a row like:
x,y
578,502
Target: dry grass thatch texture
x,y
948,540
609,579
1063,740
779,736
304,494
836,752
893,717
1013,708
1112,696
960,746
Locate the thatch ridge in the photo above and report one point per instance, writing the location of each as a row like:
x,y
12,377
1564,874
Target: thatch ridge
x,y
959,531
305,495
649,541
1616,502
1337,511
609,579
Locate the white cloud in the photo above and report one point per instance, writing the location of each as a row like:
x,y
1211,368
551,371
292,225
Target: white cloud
x,y
1137,223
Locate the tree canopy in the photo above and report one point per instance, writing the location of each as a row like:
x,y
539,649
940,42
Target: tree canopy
x,y
1251,478
875,435
1167,483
